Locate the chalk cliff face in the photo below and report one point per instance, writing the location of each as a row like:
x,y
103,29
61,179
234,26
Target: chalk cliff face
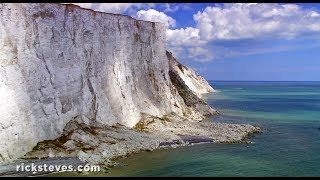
x,y
61,62
197,84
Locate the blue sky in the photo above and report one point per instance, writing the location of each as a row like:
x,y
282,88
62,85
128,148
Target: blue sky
x,y
275,42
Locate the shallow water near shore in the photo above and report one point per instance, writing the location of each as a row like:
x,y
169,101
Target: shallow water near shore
x,y
288,113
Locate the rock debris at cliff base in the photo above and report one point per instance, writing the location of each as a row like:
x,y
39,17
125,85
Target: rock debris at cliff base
x,y
100,144
66,71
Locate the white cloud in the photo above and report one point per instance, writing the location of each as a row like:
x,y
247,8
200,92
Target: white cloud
x,y
313,14
186,6
184,37
155,16
116,8
170,8
262,50
186,43
200,54
248,21
173,7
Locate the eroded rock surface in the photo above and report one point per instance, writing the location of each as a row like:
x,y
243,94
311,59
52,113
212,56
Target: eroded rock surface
x,y
62,62
101,144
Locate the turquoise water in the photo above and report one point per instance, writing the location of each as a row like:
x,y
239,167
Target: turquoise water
x,y
289,114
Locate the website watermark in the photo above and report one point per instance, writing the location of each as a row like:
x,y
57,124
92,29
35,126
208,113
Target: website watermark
x,y
35,168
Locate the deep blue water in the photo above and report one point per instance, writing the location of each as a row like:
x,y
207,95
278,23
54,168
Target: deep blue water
x,y
288,113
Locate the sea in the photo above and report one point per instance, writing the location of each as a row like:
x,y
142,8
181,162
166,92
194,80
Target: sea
x,y
289,145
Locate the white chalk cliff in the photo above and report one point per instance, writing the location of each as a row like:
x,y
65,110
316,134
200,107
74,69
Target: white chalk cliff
x,y
197,84
60,62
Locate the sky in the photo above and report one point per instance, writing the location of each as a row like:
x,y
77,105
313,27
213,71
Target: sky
x,y
236,41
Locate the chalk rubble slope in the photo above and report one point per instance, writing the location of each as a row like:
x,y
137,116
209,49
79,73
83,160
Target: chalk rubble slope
x,y
62,62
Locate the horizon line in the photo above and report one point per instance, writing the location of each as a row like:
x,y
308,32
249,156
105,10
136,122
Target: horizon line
x,y
268,80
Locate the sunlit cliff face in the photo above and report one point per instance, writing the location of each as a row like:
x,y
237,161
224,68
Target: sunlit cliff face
x,y
62,62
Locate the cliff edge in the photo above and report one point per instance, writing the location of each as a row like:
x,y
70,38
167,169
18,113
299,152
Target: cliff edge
x,y
62,63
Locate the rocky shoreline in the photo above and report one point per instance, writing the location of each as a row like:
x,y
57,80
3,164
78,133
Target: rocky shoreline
x,y
94,93
99,144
